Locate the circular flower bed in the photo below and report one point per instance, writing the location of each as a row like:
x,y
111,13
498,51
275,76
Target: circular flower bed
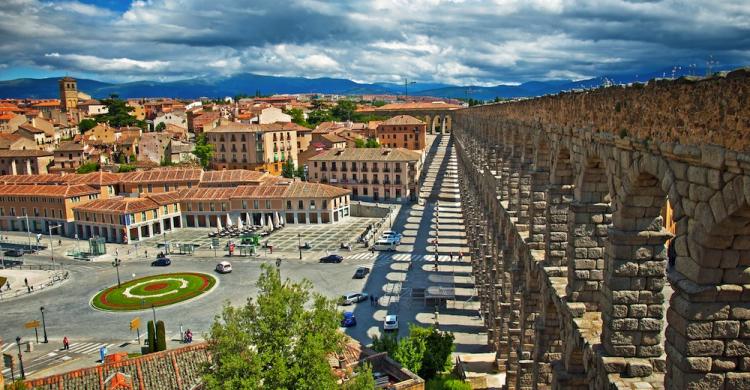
x,y
156,290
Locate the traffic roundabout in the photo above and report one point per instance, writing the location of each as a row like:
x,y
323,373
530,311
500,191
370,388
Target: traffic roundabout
x,y
154,290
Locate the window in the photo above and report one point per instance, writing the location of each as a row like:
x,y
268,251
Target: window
x,y
166,209
288,204
312,204
189,206
268,204
143,216
256,204
150,188
200,206
300,204
325,204
223,206
244,204
212,206
166,187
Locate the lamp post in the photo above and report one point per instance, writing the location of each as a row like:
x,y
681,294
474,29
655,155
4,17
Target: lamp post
x,y
20,357
406,88
116,263
44,325
299,244
153,310
51,244
28,231
164,237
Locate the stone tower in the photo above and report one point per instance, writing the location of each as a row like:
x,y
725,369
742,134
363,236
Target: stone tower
x,y
68,94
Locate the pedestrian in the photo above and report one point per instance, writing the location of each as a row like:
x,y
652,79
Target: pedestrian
x,y
375,300
66,343
28,289
26,282
59,242
372,300
7,285
146,252
451,254
460,256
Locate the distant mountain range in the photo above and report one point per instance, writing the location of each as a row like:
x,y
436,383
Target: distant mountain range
x,y
248,83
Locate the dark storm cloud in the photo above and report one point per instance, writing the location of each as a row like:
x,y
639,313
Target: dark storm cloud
x,y
455,41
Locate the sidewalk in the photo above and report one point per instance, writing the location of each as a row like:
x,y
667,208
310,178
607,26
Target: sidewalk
x,y
27,281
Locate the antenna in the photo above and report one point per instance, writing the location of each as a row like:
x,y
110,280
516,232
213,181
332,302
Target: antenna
x,y
710,63
406,88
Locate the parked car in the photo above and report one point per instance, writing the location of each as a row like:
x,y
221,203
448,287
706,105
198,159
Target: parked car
x,y
361,272
224,267
349,320
14,252
390,234
333,258
391,322
161,262
353,297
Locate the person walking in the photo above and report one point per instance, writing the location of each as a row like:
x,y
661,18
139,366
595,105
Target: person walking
x,y
26,282
451,256
66,343
7,285
460,256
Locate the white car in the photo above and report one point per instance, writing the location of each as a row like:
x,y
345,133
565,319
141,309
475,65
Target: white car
x,y
391,322
224,267
352,297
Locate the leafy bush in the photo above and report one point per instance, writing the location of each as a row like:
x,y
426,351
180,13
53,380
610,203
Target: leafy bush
x,y
151,337
446,382
161,337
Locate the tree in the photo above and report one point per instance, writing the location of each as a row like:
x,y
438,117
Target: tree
x,y
86,125
280,340
88,167
118,114
161,337
372,143
362,380
344,110
301,173
316,117
287,168
203,150
298,117
359,143
151,336
161,127
126,168
426,350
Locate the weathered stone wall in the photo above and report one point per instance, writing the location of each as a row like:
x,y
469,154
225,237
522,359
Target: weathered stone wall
x,y
569,245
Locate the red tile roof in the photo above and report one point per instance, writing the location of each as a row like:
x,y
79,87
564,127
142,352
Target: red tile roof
x,y
239,176
119,205
162,175
47,190
24,153
402,120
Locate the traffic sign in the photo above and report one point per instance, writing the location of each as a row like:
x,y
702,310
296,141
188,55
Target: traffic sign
x,y
31,324
135,323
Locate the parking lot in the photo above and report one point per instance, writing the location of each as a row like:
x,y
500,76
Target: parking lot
x,y
321,237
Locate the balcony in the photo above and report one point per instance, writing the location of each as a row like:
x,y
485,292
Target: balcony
x,y
364,181
387,182
344,169
375,181
397,170
386,170
324,169
354,168
364,169
333,169
375,169
398,182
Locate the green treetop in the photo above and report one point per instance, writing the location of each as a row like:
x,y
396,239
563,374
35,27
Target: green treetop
x,y
203,150
280,340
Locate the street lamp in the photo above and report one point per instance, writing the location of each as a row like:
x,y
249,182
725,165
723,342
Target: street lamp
x,y
153,310
44,325
299,244
51,244
20,357
28,231
116,264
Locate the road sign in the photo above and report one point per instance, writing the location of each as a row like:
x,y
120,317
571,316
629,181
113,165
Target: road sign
x,y
135,323
31,324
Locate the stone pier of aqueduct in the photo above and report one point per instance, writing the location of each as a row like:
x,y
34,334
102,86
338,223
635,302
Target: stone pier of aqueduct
x,y
565,200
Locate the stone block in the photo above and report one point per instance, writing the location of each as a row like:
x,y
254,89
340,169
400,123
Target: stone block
x,y
638,368
737,381
738,348
726,329
720,364
705,348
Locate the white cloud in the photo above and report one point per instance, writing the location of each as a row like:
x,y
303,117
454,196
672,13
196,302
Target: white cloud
x,y
457,41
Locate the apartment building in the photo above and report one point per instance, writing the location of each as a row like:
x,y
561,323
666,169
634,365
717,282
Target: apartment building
x,y
402,131
252,146
379,175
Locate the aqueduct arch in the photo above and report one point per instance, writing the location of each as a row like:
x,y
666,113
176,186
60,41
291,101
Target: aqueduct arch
x,y
569,246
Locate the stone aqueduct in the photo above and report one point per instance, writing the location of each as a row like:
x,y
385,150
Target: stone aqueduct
x,y
564,206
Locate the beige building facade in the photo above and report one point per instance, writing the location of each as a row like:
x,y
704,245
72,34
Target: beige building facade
x,y
378,175
252,146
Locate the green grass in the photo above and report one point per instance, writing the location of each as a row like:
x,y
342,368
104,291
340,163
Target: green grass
x,y
113,299
447,382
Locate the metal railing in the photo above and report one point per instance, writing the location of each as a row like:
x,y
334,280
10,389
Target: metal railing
x,y
54,278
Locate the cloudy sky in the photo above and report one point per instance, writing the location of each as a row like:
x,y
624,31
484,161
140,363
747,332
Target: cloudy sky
x,y
450,41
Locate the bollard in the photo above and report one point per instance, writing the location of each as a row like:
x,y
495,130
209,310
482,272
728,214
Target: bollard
x,y
29,346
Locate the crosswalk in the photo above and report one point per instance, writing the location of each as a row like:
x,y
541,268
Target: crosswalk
x,y
413,257
55,357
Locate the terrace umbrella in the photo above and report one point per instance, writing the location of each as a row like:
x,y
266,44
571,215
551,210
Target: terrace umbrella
x,y
276,219
262,221
229,220
239,222
218,223
270,223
